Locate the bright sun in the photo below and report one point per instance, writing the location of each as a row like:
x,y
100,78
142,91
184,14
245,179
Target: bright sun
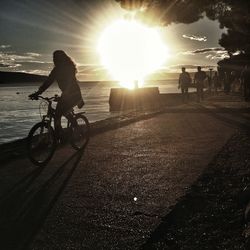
x,y
130,51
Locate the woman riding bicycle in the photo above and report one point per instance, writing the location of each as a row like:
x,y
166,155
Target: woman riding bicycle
x,y
64,72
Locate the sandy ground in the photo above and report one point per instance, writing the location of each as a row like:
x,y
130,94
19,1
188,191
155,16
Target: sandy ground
x,y
118,192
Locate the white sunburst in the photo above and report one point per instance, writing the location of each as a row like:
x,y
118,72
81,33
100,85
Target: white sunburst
x,y
130,51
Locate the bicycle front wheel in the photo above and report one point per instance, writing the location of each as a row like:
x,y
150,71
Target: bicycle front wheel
x,y
79,132
41,143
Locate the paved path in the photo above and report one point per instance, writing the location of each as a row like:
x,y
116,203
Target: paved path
x,y
114,196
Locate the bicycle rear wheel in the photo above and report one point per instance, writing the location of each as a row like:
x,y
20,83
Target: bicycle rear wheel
x,y
79,132
41,143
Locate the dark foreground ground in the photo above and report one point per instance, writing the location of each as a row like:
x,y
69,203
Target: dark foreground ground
x,y
210,216
167,182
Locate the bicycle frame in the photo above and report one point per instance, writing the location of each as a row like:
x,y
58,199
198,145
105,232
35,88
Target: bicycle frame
x,y
50,113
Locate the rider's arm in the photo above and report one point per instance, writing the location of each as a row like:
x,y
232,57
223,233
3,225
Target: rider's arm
x,y
48,82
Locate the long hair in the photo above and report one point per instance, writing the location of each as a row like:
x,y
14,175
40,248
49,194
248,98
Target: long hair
x,y
61,59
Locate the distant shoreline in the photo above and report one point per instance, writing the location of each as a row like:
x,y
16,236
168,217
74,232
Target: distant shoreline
x,y
34,83
19,77
7,78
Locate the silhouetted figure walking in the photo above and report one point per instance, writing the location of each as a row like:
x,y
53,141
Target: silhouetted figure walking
x,y
227,82
64,72
231,82
209,79
184,83
216,82
199,78
245,78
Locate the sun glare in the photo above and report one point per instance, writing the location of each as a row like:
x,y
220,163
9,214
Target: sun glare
x,y
130,51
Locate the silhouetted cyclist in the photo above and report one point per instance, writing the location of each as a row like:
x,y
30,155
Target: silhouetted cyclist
x,y
199,79
64,72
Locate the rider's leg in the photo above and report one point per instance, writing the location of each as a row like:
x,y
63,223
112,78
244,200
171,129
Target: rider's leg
x,y
70,117
63,108
57,120
69,101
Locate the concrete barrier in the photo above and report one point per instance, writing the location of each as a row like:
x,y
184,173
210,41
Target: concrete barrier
x,y
121,99
141,98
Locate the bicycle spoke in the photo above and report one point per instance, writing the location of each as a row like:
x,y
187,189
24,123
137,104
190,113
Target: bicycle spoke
x,y
41,143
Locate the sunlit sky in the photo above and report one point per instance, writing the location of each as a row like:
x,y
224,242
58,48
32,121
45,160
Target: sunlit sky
x,y
30,30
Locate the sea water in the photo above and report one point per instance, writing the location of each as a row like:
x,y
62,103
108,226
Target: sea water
x,y
18,114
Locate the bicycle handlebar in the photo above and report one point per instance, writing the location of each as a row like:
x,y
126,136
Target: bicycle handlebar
x,y
48,99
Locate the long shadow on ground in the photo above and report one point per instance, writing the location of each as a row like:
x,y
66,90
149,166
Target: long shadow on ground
x,y
25,206
228,116
209,217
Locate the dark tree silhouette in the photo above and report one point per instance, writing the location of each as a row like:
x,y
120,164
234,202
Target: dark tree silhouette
x,y
234,15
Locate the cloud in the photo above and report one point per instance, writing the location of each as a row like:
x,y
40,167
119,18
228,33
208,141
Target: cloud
x,y
204,51
7,62
216,53
35,71
9,65
10,59
238,52
217,56
5,46
89,68
32,54
35,62
195,38
15,57
2,65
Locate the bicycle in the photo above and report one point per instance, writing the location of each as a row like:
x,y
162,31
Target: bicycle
x,y
42,141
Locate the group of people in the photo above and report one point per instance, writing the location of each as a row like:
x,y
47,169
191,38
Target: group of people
x,y
231,83
238,81
185,82
245,82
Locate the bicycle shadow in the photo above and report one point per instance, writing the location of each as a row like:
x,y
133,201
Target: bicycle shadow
x,y
24,208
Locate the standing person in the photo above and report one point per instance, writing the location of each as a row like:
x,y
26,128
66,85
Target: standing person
x,y
232,81
64,72
227,83
225,80
199,78
184,82
210,81
245,78
216,82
